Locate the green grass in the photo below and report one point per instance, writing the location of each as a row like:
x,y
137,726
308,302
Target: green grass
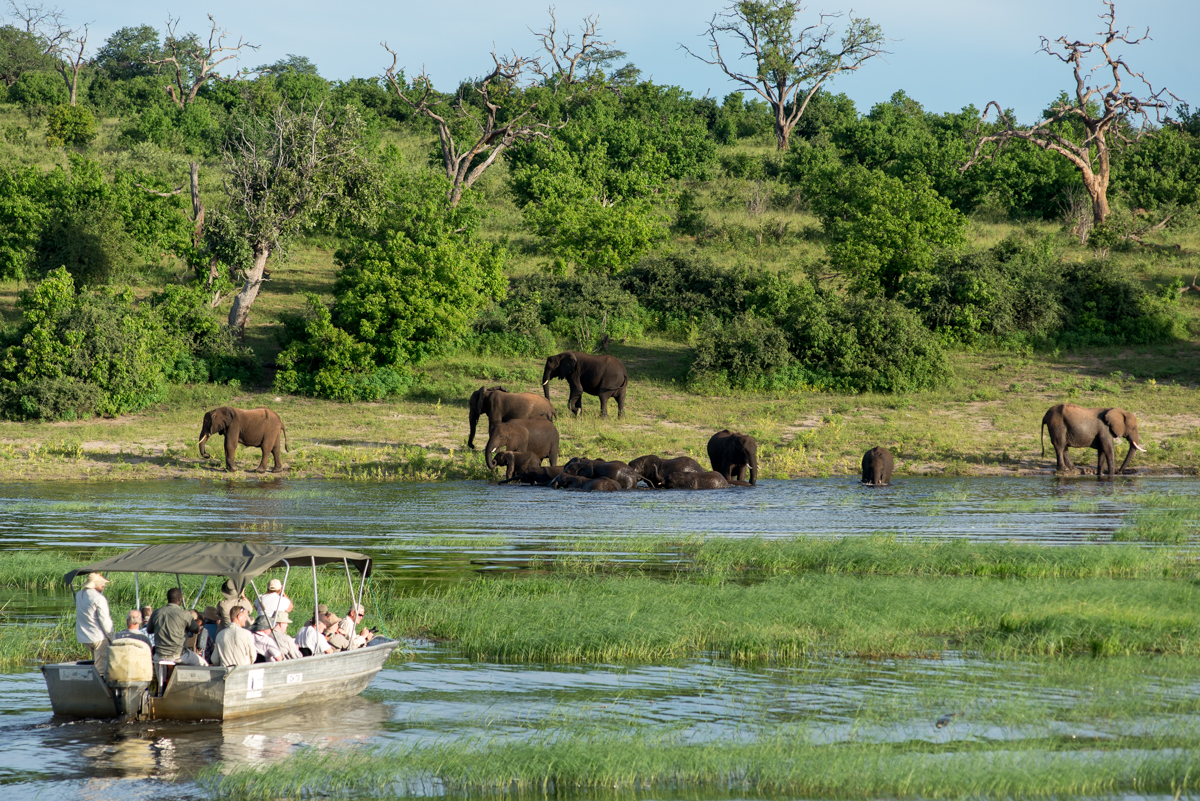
x,y
620,764
1161,518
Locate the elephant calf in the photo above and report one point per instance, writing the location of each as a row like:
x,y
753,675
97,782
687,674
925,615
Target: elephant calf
x,y
654,468
696,481
517,462
877,465
256,428
540,476
619,472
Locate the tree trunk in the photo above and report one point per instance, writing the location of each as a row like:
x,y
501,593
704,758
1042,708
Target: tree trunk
x,y
197,207
1096,190
781,135
245,298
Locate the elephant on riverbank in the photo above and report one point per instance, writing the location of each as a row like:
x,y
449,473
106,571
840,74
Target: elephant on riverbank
x,y
732,453
538,437
603,376
655,469
877,466
1072,426
500,406
255,428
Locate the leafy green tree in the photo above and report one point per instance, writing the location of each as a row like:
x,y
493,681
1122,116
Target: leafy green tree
x,y
20,52
70,125
791,61
128,52
882,229
37,92
1160,171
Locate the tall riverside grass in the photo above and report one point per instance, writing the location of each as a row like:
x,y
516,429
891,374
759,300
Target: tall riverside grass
x,y
616,764
877,555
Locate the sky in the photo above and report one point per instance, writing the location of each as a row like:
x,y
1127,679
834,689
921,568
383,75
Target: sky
x,y
946,54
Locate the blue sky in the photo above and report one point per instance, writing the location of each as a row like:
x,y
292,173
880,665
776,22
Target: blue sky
x,y
945,53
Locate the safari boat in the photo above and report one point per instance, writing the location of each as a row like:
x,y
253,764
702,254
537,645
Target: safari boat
x,y
182,692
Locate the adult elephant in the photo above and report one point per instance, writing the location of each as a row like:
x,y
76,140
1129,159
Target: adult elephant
x,y
877,466
616,471
603,376
500,406
732,453
257,428
537,436
655,469
1074,426
696,481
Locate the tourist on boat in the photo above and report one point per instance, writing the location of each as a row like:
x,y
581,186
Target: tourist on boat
x,y
311,639
133,628
199,641
147,613
231,599
264,641
171,625
345,628
274,600
211,627
93,624
287,646
234,644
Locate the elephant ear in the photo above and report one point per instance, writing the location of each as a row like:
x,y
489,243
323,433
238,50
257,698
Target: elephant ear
x,y
1115,420
570,365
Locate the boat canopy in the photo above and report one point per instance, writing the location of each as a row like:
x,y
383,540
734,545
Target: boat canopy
x,y
239,561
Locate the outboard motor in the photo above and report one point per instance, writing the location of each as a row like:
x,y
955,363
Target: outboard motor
x,y
128,674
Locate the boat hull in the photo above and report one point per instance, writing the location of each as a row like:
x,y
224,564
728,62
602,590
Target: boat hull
x,y
219,693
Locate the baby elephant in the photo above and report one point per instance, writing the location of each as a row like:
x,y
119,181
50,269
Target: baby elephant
x,y
517,462
695,481
539,476
877,467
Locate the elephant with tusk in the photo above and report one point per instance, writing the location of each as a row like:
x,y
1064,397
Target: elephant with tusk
x,y
602,376
1072,426
256,428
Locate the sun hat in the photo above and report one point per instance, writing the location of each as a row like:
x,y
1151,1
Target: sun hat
x,y
282,617
322,609
210,614
260,624
95,581
228,590
274,585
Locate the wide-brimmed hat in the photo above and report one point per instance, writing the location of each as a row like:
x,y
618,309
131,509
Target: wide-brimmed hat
x,y
260,624
274,585
322,609
282,617
210,614
95,581
228,590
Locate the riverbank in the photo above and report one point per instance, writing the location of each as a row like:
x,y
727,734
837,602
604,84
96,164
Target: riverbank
x,y
986,423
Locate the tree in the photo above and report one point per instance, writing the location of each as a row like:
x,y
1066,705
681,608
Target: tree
x,y
64,46
474,131
1084,127
791,63
20,52
127,53
284,167
194,62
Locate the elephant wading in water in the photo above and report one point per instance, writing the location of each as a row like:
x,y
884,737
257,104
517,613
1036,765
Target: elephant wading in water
x,y
1074,426
518,463
696,481
877,465
257,428
625,476
603,376
538,437
500,406
655,469
731,453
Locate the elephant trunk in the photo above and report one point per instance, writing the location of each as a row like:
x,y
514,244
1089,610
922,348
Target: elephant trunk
x,y
474,420
488,452
547,374
753,469
203,439
1133,447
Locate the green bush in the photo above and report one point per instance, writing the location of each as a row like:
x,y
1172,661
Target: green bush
x,y
514,328
46,398
38,92
70,125
571,305
209,349
746,352
681,289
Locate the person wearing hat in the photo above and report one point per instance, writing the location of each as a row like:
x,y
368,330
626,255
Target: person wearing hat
x,y
274,600
171,625
266,648
287,646
231,598
311,639
93,623
234,645
346,626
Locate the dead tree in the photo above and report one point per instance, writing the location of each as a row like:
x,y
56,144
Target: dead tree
x,y
197,213
1083,128
505,113
59,42
69,59
194,62
790,63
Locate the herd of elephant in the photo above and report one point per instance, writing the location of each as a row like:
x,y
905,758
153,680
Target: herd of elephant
x,y
522,425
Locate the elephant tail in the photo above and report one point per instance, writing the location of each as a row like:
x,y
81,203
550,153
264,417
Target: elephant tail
x,y
283,428
1042,431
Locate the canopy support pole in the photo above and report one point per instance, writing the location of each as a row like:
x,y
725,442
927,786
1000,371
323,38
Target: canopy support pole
x,y
316,601
137,594
361,583
287,568
203,584
349,580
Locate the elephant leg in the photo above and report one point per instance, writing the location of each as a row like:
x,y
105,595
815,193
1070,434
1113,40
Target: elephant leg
x,y
604,404
275,452
620,396
266,454
231,443
741,472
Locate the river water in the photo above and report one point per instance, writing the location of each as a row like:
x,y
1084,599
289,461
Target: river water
x,y
438,696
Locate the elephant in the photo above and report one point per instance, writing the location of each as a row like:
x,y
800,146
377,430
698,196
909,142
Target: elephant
x,y
731,453
500,406
603,376
1074,426
256,428
696,481
877,465
568,481
654,468
517,462
538,437
602,485
539,476
619,472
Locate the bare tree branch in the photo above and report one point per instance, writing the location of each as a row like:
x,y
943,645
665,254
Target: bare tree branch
x,y
1084,128
790,63
60,42
195,62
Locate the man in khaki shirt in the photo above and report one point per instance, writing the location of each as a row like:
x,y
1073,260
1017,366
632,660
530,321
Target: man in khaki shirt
x,y
234,644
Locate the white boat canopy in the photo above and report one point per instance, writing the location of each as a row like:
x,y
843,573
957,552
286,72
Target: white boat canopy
x,y
239,561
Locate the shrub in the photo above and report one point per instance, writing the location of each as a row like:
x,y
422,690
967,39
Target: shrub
x,y
746,352
38,92
570,304
208,348
70,125
1105,306
514,328
45,398
684,288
